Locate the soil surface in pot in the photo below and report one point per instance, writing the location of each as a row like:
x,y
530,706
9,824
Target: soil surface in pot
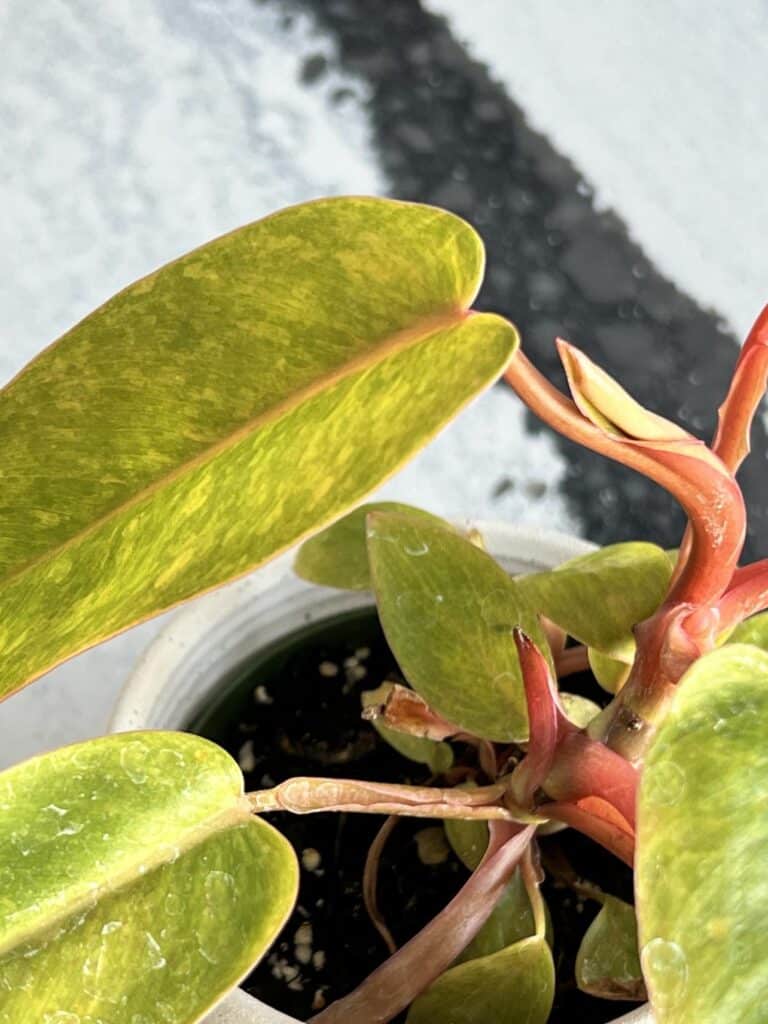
x,y
296,711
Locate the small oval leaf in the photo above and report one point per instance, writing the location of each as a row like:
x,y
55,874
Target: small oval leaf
x,y
752,631
702,902
579,710
134,881
611,673
338,556
514,986
608,961
448,610
511,920
468,839
598,598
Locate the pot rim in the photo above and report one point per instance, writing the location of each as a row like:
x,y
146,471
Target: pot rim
x,y
529,548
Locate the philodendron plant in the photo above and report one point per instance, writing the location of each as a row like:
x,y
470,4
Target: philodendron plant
x,y
236,402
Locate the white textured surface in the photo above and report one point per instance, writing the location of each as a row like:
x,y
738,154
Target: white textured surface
x,y
662,107
134,130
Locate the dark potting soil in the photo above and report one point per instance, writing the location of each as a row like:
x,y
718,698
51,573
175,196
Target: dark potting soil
x,y
296,711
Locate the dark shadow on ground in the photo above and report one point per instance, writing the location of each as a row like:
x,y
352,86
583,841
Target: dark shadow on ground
x,y
448,134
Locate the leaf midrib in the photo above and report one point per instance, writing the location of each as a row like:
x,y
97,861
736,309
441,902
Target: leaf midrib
x,y
239,812
420,331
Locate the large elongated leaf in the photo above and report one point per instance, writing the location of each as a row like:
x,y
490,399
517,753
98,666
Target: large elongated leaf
x,y
338,556
217,411
702,895
608,961
599,597
135,886
514,986
448,610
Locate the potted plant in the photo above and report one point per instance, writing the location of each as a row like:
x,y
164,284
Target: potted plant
x,y
203,421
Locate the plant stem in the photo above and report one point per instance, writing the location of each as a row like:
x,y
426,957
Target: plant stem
x,y
371,879
667,645
310,795
571,660
394,985
688,470
604,828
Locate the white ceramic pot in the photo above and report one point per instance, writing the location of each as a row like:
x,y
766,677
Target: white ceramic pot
x,y
206,645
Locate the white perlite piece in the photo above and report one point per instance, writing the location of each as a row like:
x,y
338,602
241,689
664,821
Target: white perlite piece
x,y
310,859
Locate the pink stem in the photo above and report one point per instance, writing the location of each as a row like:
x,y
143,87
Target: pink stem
x,y
710,497
735,415
546,721
585,767
371,882
747,388
399,980
602,829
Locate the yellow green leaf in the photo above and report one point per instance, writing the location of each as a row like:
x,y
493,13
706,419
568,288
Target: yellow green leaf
x,y
448,610
598,598
579,710
702,896
516,985
221,409
751,631
510,920
611,673
338,555
468,839
135,885
608,961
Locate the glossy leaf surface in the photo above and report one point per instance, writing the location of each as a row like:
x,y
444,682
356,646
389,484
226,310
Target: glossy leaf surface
x,y
702,896
436,754
608,961
448,610
611,673
468,839
211,415
511,920
598,598
135,886
514,986
579,710
338,556
752,631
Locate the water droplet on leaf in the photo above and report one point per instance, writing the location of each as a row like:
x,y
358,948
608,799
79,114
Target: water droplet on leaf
x,y
666,970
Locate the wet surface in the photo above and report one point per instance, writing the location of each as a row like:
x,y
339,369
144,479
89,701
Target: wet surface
x,y
447,133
